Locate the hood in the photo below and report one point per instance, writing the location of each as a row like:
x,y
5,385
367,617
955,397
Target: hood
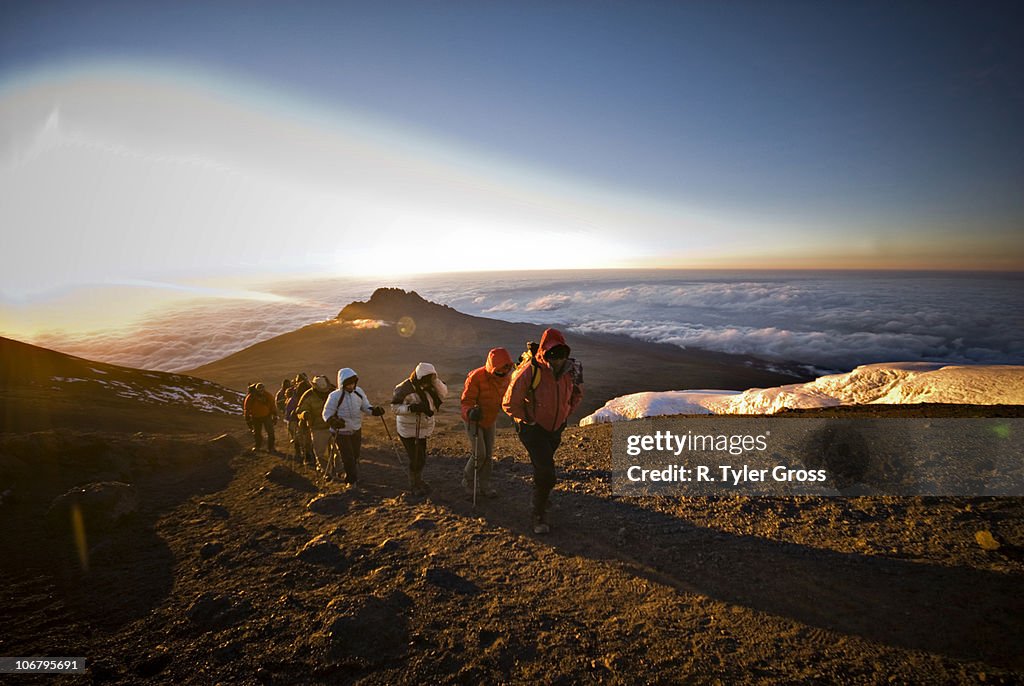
x,y
549,339
345,373
424,369
496,359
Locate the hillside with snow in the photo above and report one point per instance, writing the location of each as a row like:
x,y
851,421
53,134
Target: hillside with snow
x,y
892,383
42,389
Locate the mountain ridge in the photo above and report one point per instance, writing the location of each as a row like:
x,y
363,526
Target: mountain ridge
x,y
384,338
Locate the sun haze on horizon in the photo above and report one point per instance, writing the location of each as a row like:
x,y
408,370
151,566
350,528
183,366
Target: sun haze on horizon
x,y
675,136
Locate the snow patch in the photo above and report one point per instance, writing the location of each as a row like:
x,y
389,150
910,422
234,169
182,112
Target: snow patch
x,y
890,383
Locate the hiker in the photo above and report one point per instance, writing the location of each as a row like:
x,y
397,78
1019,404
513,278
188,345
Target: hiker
x,y
343,413
282,396
414,403
481,402
540,397
310,411
260,416
302,442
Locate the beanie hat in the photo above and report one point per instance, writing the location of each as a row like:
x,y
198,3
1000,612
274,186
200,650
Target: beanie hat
x,y
424,369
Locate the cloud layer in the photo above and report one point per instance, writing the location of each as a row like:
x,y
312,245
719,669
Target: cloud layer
x,y
832,322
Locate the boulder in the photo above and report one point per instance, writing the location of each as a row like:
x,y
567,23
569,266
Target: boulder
x,y
422,524
102,505
321,551
329,504
215,510
211,610
366,627
450,581
211,549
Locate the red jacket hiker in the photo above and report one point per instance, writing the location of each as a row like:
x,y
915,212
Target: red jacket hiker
x,y
484,389
553,400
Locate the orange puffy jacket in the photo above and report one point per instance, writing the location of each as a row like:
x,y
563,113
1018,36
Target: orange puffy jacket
x,y
259,405
485,389
554,399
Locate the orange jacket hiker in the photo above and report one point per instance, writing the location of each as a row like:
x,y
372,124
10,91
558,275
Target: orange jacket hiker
x,y
259,404
553,400
485,389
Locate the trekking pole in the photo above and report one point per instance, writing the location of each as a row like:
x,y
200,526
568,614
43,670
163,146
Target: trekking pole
x,y
476,460
398,456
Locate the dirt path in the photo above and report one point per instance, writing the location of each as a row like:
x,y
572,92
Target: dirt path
x,y
234,579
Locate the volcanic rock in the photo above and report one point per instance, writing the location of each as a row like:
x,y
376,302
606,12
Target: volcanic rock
x,y
102,505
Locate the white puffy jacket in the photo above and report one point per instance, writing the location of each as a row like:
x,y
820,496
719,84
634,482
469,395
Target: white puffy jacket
x,y
349,406
409,423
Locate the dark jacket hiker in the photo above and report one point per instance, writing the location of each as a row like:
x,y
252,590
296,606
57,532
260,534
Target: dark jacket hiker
x,y
543,392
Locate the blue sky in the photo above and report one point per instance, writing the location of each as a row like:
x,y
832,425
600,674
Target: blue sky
x,y
684,134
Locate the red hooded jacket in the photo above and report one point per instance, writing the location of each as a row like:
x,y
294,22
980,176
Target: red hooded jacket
x,y
554,399
484,388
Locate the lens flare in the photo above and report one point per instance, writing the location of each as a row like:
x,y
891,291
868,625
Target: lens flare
x,y
78,530
406,327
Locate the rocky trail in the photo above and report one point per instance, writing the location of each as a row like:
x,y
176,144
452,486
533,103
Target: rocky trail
x,y
239,568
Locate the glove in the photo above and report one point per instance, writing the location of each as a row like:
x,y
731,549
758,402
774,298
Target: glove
x,y
474,414
417,408
337,423
377,411
429,412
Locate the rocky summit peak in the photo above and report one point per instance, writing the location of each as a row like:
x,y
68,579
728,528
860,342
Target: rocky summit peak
x,y
392,304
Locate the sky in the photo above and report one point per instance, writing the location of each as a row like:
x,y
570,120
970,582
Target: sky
x,y
171,145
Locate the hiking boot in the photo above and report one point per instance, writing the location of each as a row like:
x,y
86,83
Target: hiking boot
x,y
540,526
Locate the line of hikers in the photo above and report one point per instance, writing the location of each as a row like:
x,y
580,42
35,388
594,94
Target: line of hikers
x,y
538,393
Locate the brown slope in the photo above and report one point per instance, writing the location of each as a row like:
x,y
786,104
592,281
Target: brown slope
x,y
214,583
42,389
457,343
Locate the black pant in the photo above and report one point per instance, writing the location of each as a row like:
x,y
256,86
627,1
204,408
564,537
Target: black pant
x,y
416,449
259,425
348,446
541,444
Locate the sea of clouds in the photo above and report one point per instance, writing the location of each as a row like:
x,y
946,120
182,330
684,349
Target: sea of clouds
x,y
832,321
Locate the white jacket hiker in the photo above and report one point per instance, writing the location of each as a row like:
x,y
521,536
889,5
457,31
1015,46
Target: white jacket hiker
x,y
414,405
349,406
